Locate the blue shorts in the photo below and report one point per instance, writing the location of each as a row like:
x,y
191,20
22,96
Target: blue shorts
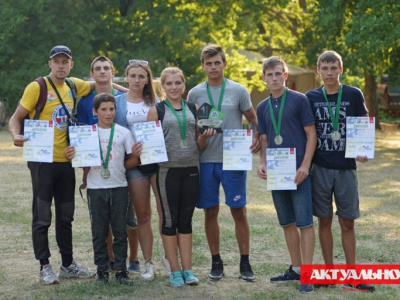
x,y
135,174
295,205
233,182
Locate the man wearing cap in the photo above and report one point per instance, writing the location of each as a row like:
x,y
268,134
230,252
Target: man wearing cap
x,y
56,179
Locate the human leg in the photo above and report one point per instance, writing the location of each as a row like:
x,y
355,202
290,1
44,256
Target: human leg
x,y
326,239
348,240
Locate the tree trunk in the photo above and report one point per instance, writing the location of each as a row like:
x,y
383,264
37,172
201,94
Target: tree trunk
x,y
370,97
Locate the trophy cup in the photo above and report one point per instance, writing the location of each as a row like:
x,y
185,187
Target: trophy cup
x,y
208,117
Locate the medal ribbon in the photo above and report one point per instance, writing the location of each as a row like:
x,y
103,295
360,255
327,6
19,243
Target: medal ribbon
x,y
221,95
277,128
105,163
182,124
334,118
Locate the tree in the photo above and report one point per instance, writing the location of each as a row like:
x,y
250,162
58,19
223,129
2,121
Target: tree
x,y
366,33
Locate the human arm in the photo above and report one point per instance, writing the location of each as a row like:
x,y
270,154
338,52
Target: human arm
x,y
152,115
14,126
133,159
262,168
303,170
251,118
120,88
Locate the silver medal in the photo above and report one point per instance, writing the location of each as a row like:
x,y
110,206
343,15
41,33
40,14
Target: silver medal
x,y
184,144
336,136
105,173
278,140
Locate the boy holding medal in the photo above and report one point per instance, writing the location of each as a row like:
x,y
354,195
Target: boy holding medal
x,y
285,120
332,173
107,189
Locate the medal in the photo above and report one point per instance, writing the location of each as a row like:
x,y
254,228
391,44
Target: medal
x,y
184,144
278,140
105,173
336,136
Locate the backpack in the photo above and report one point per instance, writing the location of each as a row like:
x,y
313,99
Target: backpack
x,y
43,98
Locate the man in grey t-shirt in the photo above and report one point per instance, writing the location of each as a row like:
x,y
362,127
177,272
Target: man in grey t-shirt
x,y
231,100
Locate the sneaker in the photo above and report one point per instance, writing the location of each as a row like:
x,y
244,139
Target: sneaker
x,y
134,266
246,273
289,275
111,266
166,265
47,275
306,288
102,277
75,271
148,272
189,278
217,270
359,288
123,278
176,279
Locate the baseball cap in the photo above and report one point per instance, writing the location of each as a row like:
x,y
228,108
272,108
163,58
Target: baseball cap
x,y
60,49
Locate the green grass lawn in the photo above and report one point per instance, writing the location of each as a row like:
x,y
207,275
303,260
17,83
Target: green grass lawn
x,y
378,232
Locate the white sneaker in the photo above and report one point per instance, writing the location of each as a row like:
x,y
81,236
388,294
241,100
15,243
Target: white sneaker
x,y
47,275
167,266
148,272
75,270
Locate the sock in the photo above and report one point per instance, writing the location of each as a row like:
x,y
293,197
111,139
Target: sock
x,y
244,258
216,257
296,269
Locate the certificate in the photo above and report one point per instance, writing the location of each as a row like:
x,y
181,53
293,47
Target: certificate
x,y
40,143
236,149
150,134
85,139
281,168
360,137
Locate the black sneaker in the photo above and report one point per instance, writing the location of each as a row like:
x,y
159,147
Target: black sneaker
x,y
217,270
102,277
111,266
289,275
246,273
359,288
122,278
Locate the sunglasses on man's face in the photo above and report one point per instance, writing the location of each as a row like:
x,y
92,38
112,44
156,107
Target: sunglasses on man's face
x,y
139,62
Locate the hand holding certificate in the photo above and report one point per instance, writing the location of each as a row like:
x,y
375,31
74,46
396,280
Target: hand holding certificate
x,y
236,149
360,137
85,140
281,168
40,143
151,136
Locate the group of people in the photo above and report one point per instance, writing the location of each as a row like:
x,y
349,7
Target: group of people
x,y
119,190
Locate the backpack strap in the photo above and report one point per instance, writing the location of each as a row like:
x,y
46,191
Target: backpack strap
x,y
160,106
74,92
42,97
192,108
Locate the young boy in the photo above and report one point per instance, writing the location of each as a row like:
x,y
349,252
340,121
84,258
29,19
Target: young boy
x,y
285,120
107,190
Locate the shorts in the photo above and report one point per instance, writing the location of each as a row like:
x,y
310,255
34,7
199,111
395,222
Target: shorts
x,y
295,205
233,182
131,218
340,183
135,174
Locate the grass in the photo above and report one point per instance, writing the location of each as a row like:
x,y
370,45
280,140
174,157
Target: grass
x,y
378,232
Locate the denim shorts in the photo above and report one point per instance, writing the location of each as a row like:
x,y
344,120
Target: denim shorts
x,y
295,205
340,183
135,174
233,182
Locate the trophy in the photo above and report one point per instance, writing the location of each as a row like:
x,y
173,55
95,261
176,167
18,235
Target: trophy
x,y
209,117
